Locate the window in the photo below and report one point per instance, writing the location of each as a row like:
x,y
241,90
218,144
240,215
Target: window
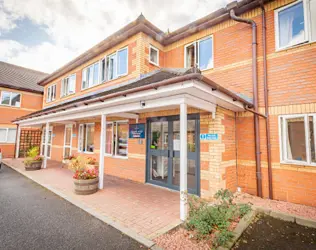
x,y
117,139
298,139
199,54
295,23
153,55
51,93
90,76
116,65
86,138
49,142
10,99
68,85
7,135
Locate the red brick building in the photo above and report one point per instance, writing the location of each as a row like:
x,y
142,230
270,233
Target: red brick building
x,y
20,95
245,57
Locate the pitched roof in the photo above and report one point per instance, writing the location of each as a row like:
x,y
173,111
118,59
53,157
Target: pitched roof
x,y
163,76
16,77
141,24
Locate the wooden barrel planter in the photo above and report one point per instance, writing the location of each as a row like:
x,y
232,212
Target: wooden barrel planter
x,y
85,187
32,166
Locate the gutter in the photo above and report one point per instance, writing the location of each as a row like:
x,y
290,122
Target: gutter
x,y
255,96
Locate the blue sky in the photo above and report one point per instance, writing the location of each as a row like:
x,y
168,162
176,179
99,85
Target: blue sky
x,y
46,34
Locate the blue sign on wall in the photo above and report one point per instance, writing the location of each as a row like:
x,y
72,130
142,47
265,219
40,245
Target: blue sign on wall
x,y
209,137
137,131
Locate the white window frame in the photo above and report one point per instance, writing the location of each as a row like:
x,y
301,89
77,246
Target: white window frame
x,y
307,22
66,146
51,97
196,44
62,94
114,150
10,104
283,138
49,144
157,50
7,135
85,135
99,75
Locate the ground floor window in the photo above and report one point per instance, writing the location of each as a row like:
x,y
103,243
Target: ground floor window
x,y
298,139
86,138
49,143
117,138
7,135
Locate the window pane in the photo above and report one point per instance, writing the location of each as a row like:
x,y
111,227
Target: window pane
x,y
67,153
312,138
90,76
3,135
72,84
68,131
296,146
84,79
54,92
122,62
159,135
103,70
291,25
81,133
190,56
48,98
153,55
122,141
90,138
96,73
191,176
313,18
109,139
111,66
5,98
205,54
15,100
11,135
159,168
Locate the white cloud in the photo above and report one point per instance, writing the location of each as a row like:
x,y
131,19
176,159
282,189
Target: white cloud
x,y
76,25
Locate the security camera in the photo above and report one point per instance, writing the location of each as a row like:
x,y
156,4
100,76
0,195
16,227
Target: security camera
x,y
142,104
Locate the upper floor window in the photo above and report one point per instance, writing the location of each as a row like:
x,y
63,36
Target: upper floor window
x,y
298,139
200,54
10,99
7,135
115,65
90,76
68,85
295,24
153,55
51,93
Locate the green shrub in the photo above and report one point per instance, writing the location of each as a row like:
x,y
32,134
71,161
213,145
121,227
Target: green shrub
x,y
205,219
33,152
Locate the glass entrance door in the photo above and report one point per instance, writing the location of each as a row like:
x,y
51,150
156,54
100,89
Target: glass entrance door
x,y
163,151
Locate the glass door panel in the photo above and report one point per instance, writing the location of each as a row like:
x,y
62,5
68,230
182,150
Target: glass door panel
x,y
159,168
191,173
68,141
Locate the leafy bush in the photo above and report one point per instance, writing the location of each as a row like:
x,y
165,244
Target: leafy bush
x,y
205,219
33,152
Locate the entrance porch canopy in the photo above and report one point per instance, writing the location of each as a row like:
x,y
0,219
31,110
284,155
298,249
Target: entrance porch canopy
x,y
161,90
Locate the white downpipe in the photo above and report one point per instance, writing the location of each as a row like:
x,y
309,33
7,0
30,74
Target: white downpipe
x,y
18,142
183,162
102,150
46,145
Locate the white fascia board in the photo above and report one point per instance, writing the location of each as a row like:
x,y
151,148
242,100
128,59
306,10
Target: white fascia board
x,y
200,104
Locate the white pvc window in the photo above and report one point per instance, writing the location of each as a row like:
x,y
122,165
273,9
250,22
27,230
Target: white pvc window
x,y
7,135
49,143
115,65
117,139
51,93
295,24
298,139
10,99
86,138
68,85
199,54
91,76
153,55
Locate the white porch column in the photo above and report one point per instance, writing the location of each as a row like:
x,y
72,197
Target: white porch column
x,y
46,145
17,144
183,162
102,150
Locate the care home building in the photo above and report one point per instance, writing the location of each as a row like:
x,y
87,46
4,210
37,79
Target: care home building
x,y
228,101
19,95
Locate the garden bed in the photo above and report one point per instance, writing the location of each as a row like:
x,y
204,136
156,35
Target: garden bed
x,y
266,232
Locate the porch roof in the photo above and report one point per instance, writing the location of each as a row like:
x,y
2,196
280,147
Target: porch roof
x,y
153,80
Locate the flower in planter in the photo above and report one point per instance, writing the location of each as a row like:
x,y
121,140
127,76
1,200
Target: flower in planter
x,y
38,158
82,169
91,161
32,156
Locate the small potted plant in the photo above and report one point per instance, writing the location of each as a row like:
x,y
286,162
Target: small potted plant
x,y
34,160
85,177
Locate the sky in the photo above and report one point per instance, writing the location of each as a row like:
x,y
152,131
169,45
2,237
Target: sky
x,y
46,34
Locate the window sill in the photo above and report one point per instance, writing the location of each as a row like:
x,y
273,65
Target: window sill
x,y
63,97
85,152
300,164
294,46
9,106
116,156
155,64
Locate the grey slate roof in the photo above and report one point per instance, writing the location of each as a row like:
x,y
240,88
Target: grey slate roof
x,y
16,77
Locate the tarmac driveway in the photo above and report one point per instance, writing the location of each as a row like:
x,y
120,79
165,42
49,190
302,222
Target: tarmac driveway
x,y
32,217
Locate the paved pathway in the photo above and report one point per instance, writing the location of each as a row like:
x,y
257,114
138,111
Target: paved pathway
x,y
32,217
